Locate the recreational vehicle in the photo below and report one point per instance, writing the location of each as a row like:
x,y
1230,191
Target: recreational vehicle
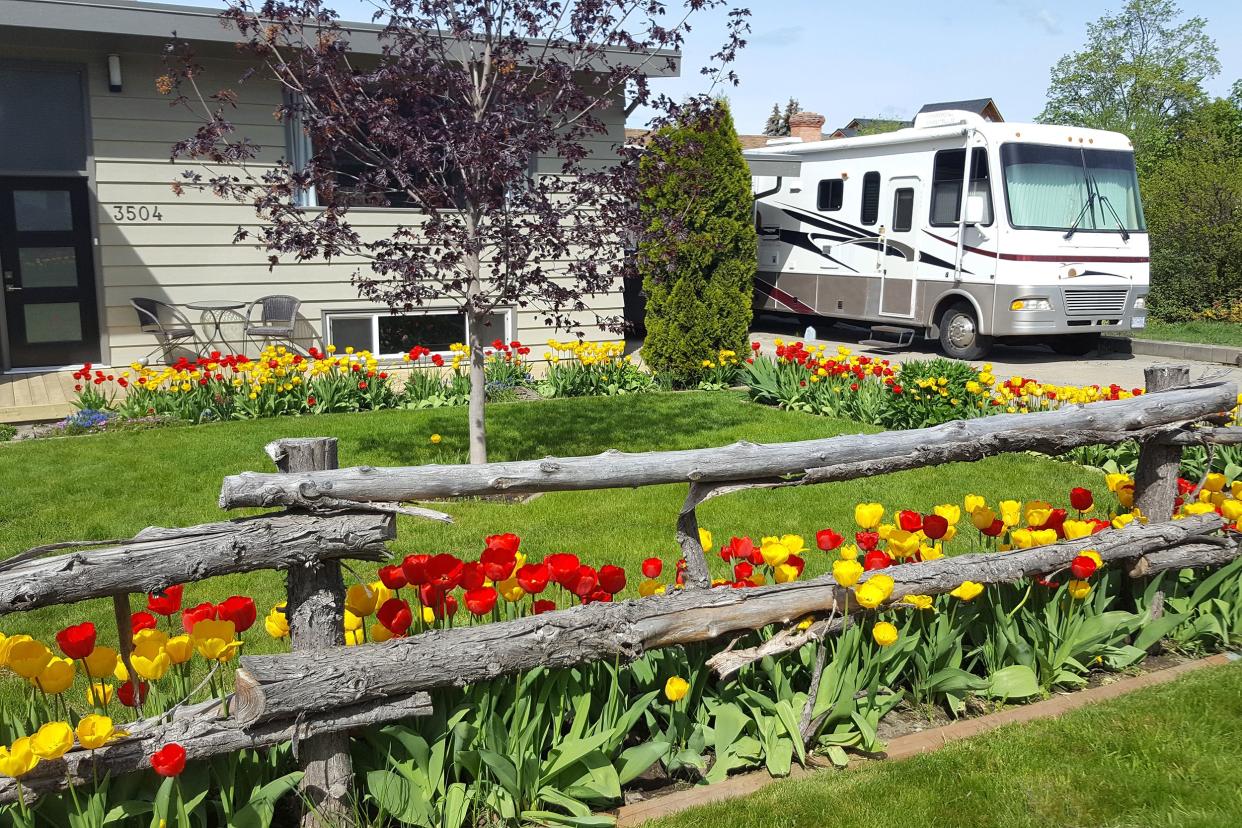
x,y
965,230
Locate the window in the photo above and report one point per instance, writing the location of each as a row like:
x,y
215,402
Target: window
x,y
388,335
1049,188
903,210
946,196
42,119
870,198
831,194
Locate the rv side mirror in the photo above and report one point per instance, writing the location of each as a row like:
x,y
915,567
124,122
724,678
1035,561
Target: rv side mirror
x,y
976,208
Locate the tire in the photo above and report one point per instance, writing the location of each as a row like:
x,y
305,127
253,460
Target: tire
x,y
1075,344
959,334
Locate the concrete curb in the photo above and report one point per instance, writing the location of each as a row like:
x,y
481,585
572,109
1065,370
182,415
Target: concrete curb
x,y
913,744
1173,350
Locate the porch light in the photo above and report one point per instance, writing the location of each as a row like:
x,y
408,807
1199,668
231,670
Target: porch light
x,y
114,73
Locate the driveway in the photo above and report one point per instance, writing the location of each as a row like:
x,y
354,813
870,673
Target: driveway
x,y
1036,362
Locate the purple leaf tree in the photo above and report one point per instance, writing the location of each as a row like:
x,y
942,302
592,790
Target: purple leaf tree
x,y
449,115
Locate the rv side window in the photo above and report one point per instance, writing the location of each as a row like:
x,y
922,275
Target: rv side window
x,y
831,194
946,195
903,210
870,198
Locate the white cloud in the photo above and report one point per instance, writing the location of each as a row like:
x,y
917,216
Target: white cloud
x,y
1036,15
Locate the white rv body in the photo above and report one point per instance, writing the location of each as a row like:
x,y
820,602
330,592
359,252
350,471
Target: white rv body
x,y
884,229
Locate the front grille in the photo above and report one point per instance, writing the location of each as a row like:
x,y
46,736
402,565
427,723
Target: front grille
x,y
1095,301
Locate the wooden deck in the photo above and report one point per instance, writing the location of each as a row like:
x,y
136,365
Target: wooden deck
x,y
36,397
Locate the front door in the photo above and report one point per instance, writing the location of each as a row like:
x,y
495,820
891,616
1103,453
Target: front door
x,y
48,275
899,249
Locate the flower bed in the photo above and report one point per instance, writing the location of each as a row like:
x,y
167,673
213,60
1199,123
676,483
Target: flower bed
x,y
550,745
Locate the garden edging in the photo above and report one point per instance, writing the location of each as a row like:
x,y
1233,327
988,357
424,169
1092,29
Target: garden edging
x,y
1221,354
912,744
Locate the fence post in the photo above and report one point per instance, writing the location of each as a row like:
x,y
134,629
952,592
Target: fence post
x,y
1155,480
316,614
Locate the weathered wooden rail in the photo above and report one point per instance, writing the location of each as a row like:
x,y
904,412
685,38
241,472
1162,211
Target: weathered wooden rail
x,y
317,693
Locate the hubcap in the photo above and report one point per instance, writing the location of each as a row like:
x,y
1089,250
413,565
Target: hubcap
x,y
962,331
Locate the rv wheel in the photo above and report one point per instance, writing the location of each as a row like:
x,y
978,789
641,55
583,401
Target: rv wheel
x,y
959,334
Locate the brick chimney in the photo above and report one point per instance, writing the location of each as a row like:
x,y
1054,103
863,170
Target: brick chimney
x,y
806,126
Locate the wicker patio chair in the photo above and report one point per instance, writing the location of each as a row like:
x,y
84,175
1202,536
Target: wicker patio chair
x,y
277,318
170,327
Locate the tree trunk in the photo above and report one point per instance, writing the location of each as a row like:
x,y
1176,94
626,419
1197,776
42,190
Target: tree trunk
x,y
316,614
1155,479
475,317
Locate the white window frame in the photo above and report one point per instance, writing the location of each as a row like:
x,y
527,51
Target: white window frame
x,y
328,315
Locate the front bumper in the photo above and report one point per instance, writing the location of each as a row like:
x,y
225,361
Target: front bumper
x,y
1075,309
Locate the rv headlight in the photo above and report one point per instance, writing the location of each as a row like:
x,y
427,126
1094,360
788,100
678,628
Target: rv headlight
x,y
1140,303
1032,304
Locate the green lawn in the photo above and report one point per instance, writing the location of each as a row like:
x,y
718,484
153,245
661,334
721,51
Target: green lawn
x,y
113,485
1205,333
1166,755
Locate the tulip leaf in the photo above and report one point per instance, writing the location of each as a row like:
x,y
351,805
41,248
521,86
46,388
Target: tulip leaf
x,y
571,751
780,757
261,809
634,761
550,817
456,806
1017,681
124,810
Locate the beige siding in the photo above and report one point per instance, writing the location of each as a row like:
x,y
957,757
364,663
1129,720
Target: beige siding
x,y
189,255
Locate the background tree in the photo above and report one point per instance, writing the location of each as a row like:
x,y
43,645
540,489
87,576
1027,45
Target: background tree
x,y
792,108
1192,195
878,126
1140,68
450,118
697,253
773,125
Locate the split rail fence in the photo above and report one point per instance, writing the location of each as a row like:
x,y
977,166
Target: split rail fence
x,y
314,695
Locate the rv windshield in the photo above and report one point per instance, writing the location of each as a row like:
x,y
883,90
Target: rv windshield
x,y
1049,188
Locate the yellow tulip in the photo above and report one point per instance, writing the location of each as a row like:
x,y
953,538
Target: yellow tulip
x,y
361,599
96,731
846,572
931,553
150,640
277,622
884,633
379,632
650,587
950,533
1038,512
1075,529
99,694
1078,590
1214,482
705,539
793,543
785,573
353,622
1231,509
510,589
982,517
1125,495
848,552
56,677
52,741
973,502
429,616
215,640
869,595
883,583
1044,537
903,544
967,591
101,662
1093,555
923,602
1022,538
773,551
884,530
949,512
675,688
354,637
151,666
18,760
1011,512
25,656
868,515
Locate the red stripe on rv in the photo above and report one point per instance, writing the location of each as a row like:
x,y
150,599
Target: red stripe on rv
x,y
788,300
1031,257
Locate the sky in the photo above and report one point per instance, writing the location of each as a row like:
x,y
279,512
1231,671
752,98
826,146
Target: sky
x,y
886,58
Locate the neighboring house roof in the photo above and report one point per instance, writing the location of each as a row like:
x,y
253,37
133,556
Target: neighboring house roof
x,y
981,106
639,136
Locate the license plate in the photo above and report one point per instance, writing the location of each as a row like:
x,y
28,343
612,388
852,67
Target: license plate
x,y
1138,322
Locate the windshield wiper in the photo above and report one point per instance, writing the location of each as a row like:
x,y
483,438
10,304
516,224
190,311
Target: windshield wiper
x,y
1073,228
1125,234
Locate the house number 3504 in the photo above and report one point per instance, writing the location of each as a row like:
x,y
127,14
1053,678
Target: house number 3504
x,y
136,212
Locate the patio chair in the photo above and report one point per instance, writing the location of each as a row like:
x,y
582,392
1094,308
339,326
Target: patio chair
x,y
170,327
277,317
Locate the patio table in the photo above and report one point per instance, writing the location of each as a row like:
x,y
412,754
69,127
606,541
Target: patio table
x,y
214,313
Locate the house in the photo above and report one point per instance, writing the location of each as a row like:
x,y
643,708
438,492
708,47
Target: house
x,y
89,221
984,107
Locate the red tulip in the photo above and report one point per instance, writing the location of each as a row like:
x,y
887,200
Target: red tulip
x,y
935,527
1056,522
876,559
797,563
497,562
736,548
1082,567
533,578
995,530
828,540
1081,498
867,540
1044,582
582,582
444,571
450,607
472,576
742,570
141,621
652,567
395,615
166,602
392,577
125,693
169,760
414,568
205,611
611,578
240,610
481,601
1098,525
562,565
506,544
599,596
910,521
430,595
77,641
542,606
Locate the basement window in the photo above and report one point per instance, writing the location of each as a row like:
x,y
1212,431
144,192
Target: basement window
x,y
388,335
